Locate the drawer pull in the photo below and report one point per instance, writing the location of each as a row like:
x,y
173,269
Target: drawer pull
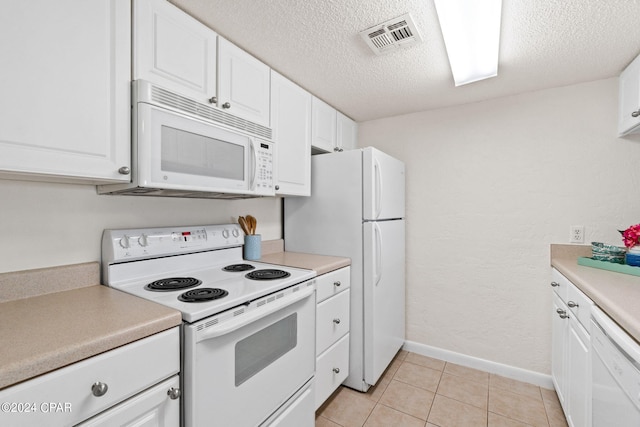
x,y
337,284
572,304
99,389
336,321
555,284
336,370
174,393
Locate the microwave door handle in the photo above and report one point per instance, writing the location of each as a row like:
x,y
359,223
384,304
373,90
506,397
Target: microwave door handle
x,y
252,316
254,155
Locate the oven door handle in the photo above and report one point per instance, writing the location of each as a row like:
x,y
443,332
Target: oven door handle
x,y
252,316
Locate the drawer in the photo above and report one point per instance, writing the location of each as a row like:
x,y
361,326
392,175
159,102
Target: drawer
x,y
332,320
126,371
153,405
579,304
332,368
560,284
332,283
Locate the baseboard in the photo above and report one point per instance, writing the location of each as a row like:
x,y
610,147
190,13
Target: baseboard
x,y
512,372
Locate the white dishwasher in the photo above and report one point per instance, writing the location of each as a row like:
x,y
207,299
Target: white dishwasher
x,y
616,374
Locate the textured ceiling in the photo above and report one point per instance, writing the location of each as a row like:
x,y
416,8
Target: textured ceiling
x,y
315,43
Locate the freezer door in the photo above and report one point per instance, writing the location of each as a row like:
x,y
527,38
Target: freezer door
x,y
382,185
384,295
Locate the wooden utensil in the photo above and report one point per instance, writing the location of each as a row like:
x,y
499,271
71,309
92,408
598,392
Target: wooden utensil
x,y
243,224
252,224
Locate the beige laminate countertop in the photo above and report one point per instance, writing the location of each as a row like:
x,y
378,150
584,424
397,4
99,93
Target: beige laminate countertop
x,y
44,332
616,294
321,264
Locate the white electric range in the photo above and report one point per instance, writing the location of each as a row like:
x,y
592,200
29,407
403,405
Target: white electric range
x,y
248,337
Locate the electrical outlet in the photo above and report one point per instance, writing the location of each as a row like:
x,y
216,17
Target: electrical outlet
x,y
577,234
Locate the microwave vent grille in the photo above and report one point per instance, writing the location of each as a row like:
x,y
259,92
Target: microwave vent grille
x,y
142,191
189,106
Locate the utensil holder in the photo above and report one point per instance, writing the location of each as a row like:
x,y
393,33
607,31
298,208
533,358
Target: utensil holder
x,y
252,247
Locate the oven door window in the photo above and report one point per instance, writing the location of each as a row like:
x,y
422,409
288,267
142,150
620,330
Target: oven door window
x,y
257,351
194,154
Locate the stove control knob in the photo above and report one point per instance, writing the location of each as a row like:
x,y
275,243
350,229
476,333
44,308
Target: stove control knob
x,y
125,242
225,233
143,240
235,232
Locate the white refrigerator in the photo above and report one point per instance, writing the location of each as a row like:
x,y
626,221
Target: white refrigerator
x,y
357,210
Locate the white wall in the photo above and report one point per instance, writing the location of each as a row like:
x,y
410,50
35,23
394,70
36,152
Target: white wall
x,y
44,225
489,186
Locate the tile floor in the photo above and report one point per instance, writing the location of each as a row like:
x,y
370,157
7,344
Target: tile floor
x,y
423,392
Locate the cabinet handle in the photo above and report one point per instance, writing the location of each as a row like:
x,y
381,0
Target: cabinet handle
x,y
99,389
572,304
336,370
226,105
336,149
564,316
635,113
560,311
124,170
555,284
336,321
174,393
277,187
337,284
213,100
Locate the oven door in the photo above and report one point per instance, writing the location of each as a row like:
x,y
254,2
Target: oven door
x,y
240,370
174,151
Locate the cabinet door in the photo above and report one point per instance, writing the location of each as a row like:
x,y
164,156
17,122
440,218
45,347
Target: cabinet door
x,y
152,407
559,332
323,126
65,90
629,98
173,50
243,84
578,375
291,122
347,133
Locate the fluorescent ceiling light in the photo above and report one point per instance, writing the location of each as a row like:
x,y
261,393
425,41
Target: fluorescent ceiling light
x,y
471,31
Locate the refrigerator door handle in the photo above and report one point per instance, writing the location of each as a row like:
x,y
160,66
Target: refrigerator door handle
x,y
378,185
378,254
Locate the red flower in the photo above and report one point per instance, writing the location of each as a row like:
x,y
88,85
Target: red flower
x,y
631,236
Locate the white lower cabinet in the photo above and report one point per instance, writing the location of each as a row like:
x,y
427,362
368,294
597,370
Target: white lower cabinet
x,y
152,407
332,332
136,384
571,350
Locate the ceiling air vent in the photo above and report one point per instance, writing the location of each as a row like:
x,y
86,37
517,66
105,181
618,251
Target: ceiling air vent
x,y
389,36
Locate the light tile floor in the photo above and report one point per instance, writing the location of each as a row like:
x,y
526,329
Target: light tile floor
x,y
423,392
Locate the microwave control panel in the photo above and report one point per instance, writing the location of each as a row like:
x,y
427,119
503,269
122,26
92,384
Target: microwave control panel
x,y
264,168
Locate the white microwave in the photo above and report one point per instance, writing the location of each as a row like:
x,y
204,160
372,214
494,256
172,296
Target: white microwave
x,y
175,153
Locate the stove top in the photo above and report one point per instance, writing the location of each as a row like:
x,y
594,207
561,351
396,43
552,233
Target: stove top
x,y
199,281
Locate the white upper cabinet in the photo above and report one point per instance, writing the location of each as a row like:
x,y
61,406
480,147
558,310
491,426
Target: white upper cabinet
x,y
243,84
347,137
182,55
332,130
629,99
291,122
323,125
174,50
65,104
